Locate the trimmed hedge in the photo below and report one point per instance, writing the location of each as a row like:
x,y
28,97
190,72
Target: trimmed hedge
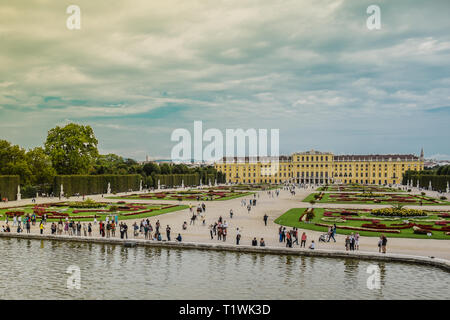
x,y
95,184
190,179
8,187
170,180
438,182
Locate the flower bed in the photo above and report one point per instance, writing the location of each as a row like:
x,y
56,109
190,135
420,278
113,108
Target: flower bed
x,y
359,228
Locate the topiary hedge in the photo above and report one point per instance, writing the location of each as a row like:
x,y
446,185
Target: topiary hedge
x,y
8,187
95,184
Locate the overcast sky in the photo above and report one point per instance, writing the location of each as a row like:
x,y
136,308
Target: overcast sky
x,y
139,69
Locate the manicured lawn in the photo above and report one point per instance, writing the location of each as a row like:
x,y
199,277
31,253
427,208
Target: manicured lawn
x,y
188,195
124,211
291,219
357,188
376,198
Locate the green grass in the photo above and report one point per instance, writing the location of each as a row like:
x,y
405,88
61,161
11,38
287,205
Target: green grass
x,y
290,218
100,215
203,197
358,188
326,199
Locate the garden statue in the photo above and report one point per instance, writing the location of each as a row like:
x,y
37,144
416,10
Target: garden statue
x,y
19,196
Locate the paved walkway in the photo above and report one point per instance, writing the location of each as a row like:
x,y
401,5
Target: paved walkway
x,y
252,224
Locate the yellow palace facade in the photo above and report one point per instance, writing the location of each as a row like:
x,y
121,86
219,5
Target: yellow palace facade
x,y
314,167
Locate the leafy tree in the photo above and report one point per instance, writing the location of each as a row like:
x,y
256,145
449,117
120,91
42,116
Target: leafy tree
x,y
41,168
165,168
72,148
14,162
151,168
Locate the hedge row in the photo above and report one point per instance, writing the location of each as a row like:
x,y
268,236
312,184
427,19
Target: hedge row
x,y
193,179
8,187
438,182
95,184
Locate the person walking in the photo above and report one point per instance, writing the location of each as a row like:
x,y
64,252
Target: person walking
x,y
231,213
168,233
332,234
357,241
211,231
383,243
238,236
303,240
41,227
265,219
295,234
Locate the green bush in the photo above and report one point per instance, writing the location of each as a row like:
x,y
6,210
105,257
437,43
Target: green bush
x,y
87,204
95,184
8,187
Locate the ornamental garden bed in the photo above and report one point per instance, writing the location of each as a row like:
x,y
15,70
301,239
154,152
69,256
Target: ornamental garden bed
x,y
379,198
62,210
413,224
187,195
358,188
246,187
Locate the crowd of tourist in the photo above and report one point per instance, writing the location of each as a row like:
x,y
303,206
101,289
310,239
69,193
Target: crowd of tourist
x,y
218,230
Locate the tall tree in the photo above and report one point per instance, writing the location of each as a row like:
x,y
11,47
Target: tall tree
x,y
72,149
14,162
41,166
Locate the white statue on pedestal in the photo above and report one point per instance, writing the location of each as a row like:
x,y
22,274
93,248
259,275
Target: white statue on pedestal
x,y
448,189
429,186
108,191
182,183
62,191
159,185
19,196
140,186
210,182
215,182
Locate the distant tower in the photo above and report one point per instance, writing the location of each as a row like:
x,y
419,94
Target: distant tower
x,y
421,154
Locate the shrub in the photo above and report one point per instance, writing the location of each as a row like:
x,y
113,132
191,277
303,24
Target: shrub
x,y
310,214
395,212
88,203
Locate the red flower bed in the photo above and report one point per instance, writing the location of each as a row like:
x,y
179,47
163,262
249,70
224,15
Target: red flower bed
x,y
429,227
359,229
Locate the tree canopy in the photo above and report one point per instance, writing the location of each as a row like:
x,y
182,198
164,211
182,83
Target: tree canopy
x,y
72,148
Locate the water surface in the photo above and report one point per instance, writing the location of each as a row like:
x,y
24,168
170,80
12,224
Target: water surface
x,y
34,269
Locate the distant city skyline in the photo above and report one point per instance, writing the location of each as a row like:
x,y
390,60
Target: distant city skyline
x,y
310,68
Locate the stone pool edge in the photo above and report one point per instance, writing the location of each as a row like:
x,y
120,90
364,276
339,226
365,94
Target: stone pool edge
x,y
391,257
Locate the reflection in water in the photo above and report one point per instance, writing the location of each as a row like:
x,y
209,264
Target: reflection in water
x,y
350,273
116,272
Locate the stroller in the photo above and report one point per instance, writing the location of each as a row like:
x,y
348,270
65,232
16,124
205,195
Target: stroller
x,y
323,237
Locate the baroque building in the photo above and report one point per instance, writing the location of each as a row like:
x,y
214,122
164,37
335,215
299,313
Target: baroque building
x,y
317,167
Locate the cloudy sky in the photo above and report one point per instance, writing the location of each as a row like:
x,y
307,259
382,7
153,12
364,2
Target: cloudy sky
x,y
137,70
